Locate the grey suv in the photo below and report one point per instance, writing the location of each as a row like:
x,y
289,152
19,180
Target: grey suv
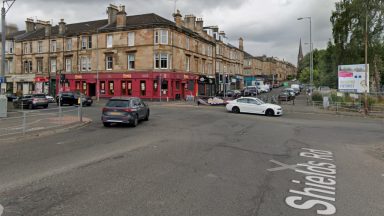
x,y
124,110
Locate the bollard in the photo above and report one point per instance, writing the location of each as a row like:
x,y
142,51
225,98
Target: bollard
x,y
24,122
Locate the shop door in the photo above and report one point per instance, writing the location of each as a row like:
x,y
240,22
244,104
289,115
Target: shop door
x,y
92,89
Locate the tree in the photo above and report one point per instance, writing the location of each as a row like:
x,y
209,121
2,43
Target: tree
x,y
348,28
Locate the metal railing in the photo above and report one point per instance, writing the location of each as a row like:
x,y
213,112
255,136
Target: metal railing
x,y
29,121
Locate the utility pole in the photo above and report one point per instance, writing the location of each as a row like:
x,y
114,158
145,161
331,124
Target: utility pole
x,y
3,33
366,64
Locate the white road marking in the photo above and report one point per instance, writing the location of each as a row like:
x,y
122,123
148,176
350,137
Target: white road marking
x,y
1,209
283,166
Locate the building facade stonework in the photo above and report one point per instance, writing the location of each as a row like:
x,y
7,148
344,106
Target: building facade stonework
x,y
142,55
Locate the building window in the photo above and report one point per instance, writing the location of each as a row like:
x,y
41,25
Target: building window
x,y
142,87
53,65
9,47
30,47
85,63
109,62
123,88
187,43
68,64
25,48
111,89
68,44
161,36
84,42
53,45
131,61
78,85
203,66
90,42
39,65
109,41
131,38
177,85
188,63
8,66
39,46
162,61
27,66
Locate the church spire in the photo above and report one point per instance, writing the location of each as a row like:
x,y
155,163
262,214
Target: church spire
x,y
300,56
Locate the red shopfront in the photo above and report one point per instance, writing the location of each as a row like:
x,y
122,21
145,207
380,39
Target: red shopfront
x,y
149,85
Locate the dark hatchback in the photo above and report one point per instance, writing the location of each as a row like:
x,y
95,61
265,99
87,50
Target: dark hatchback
x,y
72,98
125,110
31,101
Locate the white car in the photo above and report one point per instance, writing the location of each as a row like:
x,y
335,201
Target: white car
x,y
50,99
253,105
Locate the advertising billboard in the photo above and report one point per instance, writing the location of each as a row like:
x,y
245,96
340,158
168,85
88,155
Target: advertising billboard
x,y
352,78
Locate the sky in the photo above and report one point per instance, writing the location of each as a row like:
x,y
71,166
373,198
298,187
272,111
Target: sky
x,y
269,27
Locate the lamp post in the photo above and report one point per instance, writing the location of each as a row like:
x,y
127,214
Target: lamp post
x,y
3,30
310,52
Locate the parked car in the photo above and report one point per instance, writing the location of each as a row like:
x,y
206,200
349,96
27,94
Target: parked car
x,y
31,101
250,91
72,98
253,105
285,96
233,93
50,99
125,110
11,96
296,88
290,91
276,85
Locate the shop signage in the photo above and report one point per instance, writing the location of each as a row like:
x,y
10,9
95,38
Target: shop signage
x,y
78,77
127,76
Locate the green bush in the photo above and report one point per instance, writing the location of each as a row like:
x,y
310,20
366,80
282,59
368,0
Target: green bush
x,y
316,96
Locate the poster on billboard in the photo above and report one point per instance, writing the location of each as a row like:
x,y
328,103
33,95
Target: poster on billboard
x,y
352,78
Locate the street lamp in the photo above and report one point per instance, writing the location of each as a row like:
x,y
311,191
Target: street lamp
x,y
310,52
3,30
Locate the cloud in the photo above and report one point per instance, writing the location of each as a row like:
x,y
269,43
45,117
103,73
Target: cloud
x,y
268,27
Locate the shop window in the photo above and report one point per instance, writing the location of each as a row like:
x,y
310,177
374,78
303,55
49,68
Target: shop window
x,y
142,88
78,85
102,87
190,85
155,85
84,87
130,88
111,88
177,85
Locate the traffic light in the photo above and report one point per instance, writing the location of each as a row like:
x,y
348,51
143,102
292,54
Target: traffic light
x,y
62,78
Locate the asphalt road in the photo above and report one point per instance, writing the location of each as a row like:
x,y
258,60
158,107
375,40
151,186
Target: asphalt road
x,y
199,161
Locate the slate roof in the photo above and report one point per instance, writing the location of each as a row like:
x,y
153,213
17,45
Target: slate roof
x,y
13,35
133,22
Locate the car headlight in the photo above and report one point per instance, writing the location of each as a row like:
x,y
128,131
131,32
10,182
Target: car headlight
x,y
280,108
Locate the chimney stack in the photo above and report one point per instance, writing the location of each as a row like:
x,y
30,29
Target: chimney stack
x,y
48,29
112,11
121,18
29,25
199,25
62,27
241,43
178,18
189,21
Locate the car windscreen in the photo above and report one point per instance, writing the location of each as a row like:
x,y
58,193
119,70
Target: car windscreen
x,y
39,96
118,103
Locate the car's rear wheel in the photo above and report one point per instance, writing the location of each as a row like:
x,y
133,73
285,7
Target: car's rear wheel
x,y
135,121
45,106
30,106
269,112
235,110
